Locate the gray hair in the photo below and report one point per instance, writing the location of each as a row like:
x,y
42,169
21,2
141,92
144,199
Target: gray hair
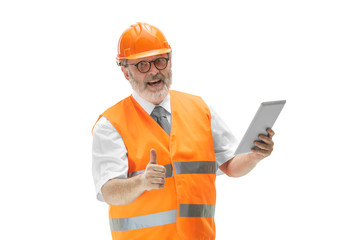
x,y
122,62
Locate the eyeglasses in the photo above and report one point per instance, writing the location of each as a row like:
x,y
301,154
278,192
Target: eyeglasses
x,y
145,66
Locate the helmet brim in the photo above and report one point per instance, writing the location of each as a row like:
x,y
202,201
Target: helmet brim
x,y
146,54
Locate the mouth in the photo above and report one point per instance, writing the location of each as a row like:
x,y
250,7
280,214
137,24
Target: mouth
x,y
154,83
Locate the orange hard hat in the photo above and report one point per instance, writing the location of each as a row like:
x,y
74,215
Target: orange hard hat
x,y
141,40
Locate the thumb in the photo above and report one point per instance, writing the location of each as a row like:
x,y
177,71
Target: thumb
x,y
153,156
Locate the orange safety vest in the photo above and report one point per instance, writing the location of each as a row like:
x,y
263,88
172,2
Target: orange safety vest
x,y
185,207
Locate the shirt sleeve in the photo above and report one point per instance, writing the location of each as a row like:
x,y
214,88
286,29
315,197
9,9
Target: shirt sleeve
x,y
225,143
109,155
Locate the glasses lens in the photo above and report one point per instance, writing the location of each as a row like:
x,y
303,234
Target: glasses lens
x,y
143,66
160,63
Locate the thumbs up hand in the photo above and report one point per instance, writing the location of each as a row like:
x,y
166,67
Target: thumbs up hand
x,y
154,175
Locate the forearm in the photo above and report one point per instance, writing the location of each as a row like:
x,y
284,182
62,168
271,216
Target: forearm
x,y
123,191
239,165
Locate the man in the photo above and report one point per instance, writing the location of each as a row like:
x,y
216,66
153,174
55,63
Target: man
x,y
156,153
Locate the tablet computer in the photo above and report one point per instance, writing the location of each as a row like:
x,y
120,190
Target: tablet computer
x,y
264,118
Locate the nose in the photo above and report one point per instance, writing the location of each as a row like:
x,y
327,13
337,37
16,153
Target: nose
x,y
153,70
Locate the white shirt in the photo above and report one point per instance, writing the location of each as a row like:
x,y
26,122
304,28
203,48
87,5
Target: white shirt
x,y
109,154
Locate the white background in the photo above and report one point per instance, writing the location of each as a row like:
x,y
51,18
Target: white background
x,y
58,73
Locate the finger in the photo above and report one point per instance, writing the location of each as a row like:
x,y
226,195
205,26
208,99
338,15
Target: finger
x,y
262,152
266,139
157,186
153,156
270,132
156,168
156,175
157,181
262,145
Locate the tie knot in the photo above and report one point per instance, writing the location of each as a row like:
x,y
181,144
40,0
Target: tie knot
x,y
159,112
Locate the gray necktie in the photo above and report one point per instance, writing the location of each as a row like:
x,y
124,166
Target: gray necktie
x,y
159,115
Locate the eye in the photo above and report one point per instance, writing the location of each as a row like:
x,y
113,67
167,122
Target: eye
x,y
160,62
143,65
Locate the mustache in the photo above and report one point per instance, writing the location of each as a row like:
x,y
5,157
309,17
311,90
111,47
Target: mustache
x,y
156,76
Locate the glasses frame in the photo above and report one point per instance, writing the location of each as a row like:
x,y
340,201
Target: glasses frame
x,y
137,65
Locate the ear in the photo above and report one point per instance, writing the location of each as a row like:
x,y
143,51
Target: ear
x,y
170,62
125,72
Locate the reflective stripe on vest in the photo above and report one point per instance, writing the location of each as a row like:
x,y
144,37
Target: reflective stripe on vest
x,y
195,167
145,221
162,218
168,167
196,210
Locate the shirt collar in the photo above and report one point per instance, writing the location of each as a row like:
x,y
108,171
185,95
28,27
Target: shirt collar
x,y
148,106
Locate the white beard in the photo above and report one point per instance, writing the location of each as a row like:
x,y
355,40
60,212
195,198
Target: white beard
x,y
153,97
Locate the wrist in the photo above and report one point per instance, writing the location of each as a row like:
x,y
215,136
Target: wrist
x,y
255,157
142,180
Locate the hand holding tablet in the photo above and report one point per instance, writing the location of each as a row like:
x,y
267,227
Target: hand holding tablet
x,y
264,118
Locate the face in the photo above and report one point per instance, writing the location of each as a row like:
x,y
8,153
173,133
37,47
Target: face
x,y
153,85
